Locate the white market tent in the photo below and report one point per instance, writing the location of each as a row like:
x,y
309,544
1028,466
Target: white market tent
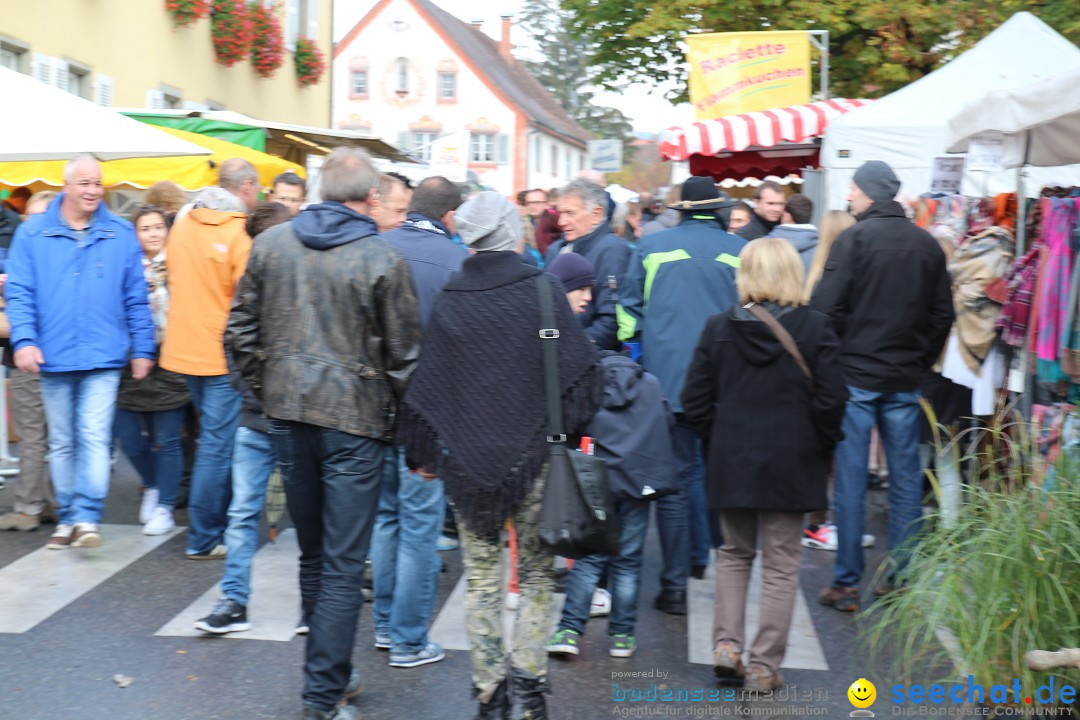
x,y
40,122
910,127
1040,122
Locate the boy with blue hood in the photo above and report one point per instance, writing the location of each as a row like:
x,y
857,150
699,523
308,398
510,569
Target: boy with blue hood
x,y
631,432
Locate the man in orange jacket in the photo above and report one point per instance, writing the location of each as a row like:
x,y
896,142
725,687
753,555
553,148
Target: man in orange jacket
x,y
208,253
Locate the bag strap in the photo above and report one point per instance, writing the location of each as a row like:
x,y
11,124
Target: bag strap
x,y
784,337
549,334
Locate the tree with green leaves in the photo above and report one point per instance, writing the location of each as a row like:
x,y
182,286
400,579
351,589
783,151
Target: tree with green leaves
x,y
876,47
564,69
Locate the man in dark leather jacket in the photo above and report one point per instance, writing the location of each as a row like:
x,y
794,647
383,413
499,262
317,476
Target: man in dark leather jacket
x,y
325,327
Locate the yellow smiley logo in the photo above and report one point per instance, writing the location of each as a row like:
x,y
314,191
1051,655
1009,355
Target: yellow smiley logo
x,y
862,693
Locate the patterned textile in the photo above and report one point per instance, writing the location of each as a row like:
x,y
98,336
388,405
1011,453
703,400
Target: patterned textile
x,y
1020,281
158,292
977,262
1052,300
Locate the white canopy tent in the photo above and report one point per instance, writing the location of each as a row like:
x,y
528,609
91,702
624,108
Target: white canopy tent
x,y
910,127
40,122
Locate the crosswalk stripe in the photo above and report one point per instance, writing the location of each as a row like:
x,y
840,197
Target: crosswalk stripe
x,y
44,582
274,607
449,627
804,651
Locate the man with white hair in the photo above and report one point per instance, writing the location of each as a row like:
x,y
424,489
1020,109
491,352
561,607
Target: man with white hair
x,y
76,300
208,251
583,207
326,331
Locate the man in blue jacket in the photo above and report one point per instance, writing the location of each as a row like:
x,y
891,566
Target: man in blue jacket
x,y
676,280
77,304
583,208
404,557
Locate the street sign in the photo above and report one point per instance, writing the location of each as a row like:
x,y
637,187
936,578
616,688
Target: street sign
x,y
605,155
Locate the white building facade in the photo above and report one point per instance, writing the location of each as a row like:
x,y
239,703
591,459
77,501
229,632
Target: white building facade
x,y
410,73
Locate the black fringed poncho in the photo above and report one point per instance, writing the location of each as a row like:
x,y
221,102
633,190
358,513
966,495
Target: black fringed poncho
x,y
474,412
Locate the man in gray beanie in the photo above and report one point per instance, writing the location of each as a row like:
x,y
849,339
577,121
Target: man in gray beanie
x,y
488,222
887,290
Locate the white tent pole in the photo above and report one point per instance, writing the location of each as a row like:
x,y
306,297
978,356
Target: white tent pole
x,y
1020,199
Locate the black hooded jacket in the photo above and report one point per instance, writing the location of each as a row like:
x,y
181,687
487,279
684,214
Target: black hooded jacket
x,y
768,436
887,290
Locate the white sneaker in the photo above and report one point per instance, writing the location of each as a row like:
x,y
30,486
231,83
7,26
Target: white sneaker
x,y
512,600
601,603
85,535
825,538
149,503
160,522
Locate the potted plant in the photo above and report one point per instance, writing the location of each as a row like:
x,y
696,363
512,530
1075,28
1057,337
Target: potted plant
x,y
268,42
230,28
310,62
186,12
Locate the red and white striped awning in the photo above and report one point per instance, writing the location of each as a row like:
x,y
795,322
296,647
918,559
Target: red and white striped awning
x,y
766,128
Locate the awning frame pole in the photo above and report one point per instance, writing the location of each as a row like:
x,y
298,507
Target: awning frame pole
x,y
822,46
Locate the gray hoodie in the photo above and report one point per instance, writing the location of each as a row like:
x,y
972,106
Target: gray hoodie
x,y
803,237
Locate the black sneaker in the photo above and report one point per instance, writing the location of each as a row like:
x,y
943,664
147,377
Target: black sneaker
x,y
228,616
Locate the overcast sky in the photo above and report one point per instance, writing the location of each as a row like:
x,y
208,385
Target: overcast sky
x,y
643,104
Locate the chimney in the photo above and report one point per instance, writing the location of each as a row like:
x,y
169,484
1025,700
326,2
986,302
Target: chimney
x,y
504,43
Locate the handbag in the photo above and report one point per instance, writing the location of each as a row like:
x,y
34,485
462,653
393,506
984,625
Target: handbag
x,y
785,339
577,513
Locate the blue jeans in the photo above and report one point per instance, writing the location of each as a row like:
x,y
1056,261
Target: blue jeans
x,y
897,416
253,460
624,575
332,483
151,441
403,555
683,517
79,407
218,403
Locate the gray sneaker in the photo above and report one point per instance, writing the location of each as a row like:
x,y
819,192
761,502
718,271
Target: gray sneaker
x,y
19,521
432,653
344,712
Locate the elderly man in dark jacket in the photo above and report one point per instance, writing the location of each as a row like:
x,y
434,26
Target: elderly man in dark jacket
x,y
325,327
404,557
677,280
887,290
583,220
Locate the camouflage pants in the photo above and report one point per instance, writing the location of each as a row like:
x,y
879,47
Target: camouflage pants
x,y
482,555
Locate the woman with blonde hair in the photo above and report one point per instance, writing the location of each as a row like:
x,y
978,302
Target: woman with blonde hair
x,y
766,392
833,223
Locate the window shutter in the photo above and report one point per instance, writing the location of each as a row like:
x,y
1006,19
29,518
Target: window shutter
x,y
60,74
312,29
155,100
42,68
103,90
502,149
292,23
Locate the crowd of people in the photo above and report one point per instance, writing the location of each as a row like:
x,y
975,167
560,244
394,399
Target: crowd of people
x,y
383,349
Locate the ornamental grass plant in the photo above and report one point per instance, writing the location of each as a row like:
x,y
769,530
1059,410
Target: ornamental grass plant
x,y
1001,579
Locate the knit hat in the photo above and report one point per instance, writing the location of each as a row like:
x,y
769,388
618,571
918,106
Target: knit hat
x,y
877,181
488,222
700,193
574,271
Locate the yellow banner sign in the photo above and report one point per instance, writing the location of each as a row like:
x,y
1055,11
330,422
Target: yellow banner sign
x,y
732,73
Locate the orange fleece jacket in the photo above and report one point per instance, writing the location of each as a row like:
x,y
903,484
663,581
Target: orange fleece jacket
x,y
206,255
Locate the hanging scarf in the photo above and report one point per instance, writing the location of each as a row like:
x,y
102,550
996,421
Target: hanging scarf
x,y
475,412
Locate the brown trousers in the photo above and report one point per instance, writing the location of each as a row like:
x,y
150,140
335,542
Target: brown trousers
x,y
33,489
781,551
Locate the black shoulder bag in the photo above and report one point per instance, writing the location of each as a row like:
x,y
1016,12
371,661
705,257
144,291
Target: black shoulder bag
x,y
577,517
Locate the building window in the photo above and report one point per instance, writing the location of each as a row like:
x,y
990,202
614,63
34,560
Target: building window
x,y
359,82
482,148
171,98
447,86
402,74
421,145
10,58
78,81
301,18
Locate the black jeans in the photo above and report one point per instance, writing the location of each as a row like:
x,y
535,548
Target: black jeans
x,y
332,485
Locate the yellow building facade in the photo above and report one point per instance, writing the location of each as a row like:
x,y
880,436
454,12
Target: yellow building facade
x,y
126,53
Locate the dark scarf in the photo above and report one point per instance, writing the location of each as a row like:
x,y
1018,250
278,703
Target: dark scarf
x,y
474,412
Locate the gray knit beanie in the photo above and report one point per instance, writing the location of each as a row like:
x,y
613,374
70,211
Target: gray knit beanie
x,y
877,181
488,222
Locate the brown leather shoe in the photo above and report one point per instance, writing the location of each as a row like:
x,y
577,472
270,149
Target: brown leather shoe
x,y
761,678
61,537
844,599
886,589
727,660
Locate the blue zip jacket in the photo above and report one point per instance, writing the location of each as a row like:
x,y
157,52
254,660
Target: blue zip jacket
x,y
676,280
432,255
82,304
